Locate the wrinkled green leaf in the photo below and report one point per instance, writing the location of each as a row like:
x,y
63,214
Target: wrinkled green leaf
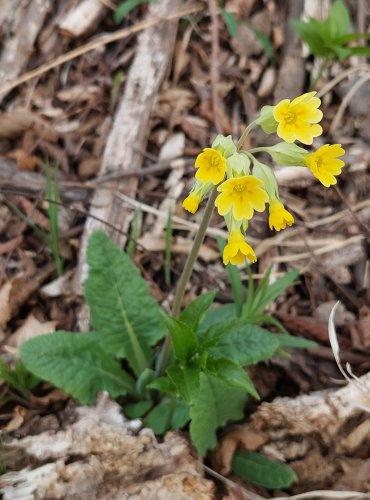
x,y
223,313
169,414
76,363
163,384
186,380
233,374
261,470
127,318
216,404
184,339
194,312
137,410
245,344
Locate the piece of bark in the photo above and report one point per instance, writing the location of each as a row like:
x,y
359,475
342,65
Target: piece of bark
x,y
99,456
23,21
128,136
83,18
32,183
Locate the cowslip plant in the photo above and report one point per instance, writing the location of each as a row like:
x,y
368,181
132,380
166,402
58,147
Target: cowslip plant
x,y
197,376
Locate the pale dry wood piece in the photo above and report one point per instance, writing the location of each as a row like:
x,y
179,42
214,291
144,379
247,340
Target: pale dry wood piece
x,y
83,18
20,22
318,9
130,129
100,456
291,76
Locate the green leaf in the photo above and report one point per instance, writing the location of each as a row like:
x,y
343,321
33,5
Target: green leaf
x,y
352,36
127,318
76,363
289,341
186,380
194,312
245,344
184,339
137,410
223,313
266,292
264,41
354,51
125,8
163,384
261,470
230,22
309,33
170,413
338,21
232,374
216,404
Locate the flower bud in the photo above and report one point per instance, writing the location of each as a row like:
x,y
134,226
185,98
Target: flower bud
x,y
267,176
287,154
238,165
266,120
225,145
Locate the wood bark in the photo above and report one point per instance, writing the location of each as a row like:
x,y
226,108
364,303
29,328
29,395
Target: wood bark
x,y
83,18
129,133
21,21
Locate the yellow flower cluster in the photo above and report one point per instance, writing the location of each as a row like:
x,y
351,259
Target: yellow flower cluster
x,y
250,184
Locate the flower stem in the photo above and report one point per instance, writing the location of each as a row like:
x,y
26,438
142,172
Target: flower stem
x,y
245,135
259,150
185,276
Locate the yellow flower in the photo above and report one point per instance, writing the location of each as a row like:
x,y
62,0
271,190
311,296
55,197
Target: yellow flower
x,y
241,195
191,202
324,163
298,119
211,166
237,249
279,217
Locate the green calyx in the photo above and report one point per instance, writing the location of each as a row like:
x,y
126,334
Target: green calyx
x,y
225,145
266,120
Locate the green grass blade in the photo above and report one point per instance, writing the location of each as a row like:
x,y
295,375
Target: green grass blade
x,y
247,309
167,251
52,193
135,233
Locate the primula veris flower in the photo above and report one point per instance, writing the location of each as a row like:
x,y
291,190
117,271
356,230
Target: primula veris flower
x,y
325,164
191,202
241,195
237,249
279,217
211,166
298,119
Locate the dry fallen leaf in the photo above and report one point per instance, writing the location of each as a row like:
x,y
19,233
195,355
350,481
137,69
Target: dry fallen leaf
x,y
19,417
31,327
